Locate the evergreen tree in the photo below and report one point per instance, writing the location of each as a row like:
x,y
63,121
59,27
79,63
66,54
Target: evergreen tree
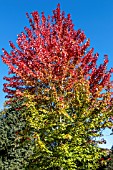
x,y
14,152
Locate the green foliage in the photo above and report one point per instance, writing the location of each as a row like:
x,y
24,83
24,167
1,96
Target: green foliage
x,y
64,128
55,129
110,160
14,152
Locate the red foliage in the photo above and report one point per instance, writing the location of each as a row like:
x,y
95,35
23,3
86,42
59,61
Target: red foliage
x,y
51,50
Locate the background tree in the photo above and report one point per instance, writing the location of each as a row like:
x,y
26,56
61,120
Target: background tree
x,y
68,99
110,160
15,146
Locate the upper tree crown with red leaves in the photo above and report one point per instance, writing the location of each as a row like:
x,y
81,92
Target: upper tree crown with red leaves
x,y
52,50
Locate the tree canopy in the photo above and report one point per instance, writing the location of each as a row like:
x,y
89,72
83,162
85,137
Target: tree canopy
x,y
64,98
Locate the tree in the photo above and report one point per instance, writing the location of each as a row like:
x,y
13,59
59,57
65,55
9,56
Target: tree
x,y
15,146
110,162
68,99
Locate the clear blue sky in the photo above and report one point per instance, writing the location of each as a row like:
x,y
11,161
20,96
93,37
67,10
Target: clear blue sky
x,y
95,17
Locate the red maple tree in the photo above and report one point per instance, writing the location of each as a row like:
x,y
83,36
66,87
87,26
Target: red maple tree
x,y
54,64
51,50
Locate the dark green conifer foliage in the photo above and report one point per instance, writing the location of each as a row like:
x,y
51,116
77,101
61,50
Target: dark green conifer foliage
x,y
14,141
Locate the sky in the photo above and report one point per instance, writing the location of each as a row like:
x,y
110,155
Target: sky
x,y
94,17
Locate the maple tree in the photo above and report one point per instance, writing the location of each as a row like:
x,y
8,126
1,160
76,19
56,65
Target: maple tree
x,y
68,98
